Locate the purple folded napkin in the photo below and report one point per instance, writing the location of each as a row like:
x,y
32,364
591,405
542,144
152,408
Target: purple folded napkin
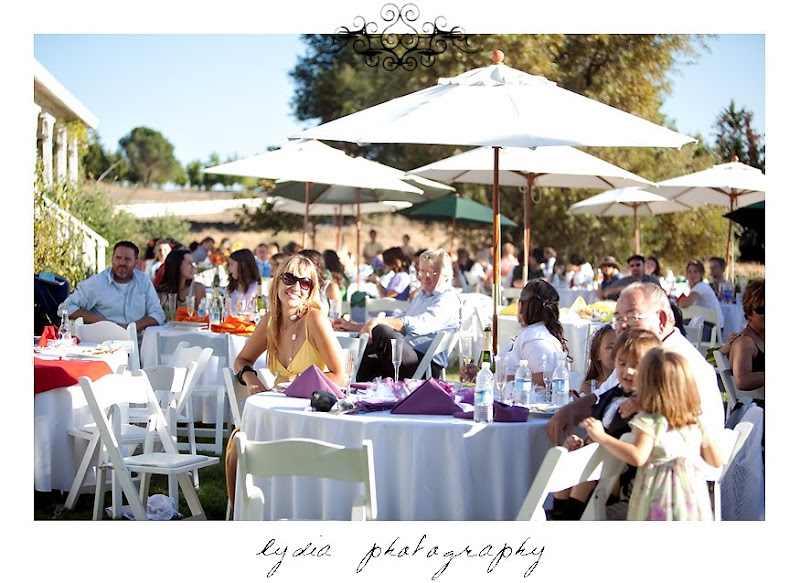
x,y
363,406
427,399
502,413
311,380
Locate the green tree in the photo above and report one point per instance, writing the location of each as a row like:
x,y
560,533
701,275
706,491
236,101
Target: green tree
x,y
735,136
150,157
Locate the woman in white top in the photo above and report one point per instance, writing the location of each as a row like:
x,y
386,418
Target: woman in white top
x,y
541,333
699,292
244,277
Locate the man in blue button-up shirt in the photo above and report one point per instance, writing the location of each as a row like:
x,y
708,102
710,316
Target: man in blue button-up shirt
x,y
436,307
120,293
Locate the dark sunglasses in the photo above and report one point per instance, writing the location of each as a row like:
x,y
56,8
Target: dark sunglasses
x,y
759,310
290,279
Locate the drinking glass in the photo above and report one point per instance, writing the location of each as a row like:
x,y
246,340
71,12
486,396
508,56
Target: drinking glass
x,y
465,346
350,356
190,305
172,302
397,356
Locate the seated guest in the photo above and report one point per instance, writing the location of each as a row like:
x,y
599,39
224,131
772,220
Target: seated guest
x,y
536,260
179,272
601,359
746,354
653,267
582,272
399,284
549,263
244,281
610,270
436,307
262,259
560,278
716,269
637,273
699,293
339,279
160,252
328,292
203,250
120,293
541,333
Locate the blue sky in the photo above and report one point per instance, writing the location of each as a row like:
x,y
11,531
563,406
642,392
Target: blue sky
x,y
231,94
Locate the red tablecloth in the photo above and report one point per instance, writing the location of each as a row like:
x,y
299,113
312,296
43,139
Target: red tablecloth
x,y
54,374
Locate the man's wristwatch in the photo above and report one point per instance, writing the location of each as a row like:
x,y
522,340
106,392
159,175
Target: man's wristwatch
x,y
240,374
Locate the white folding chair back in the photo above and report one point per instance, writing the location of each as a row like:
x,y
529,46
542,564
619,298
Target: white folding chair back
x,y
742,482
374,306
236,395
726,377
304,457
510,293
562,469
105,398
708,315
444,341
359,343
99,332
218,343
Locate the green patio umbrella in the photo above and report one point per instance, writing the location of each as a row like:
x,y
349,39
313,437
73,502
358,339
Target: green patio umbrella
x,y
750,216
455,208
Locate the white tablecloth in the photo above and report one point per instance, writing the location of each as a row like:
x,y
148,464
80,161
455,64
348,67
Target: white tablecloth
x,y
203,406
734,319
57,454
427,467
568,295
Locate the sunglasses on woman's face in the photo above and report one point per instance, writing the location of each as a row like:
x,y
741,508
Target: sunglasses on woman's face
x,y
759,310
290,279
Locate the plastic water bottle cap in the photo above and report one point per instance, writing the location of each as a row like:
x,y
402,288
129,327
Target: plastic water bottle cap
x,y
523,363
486,364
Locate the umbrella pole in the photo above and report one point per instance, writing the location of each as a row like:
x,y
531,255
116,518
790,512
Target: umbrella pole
x,y
526,242
308,202
338,218
452,235
636,229
728,250
358,239
496,243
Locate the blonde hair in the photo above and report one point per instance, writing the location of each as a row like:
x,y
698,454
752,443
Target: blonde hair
x,y
665,384
299,266
441,259
636,342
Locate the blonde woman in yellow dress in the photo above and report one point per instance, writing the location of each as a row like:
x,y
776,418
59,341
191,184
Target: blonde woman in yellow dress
x,y
295,335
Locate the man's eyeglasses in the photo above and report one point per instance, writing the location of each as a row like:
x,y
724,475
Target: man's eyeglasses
x,y
759,310
629,321
290,279
429,273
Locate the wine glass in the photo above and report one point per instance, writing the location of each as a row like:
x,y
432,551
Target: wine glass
x,y
465,346
397,356
190,305
350,355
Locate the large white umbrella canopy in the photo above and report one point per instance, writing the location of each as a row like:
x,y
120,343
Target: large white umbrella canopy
x,y
555,166
312,162
732,185
628,201
496,106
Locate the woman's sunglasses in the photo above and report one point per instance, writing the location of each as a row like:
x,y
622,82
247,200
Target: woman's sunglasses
x,y
759,310
290,279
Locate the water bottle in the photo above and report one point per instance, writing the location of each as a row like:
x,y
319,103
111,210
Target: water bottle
x,y
560,382
202,309
522,384
64,330
484,395
214,312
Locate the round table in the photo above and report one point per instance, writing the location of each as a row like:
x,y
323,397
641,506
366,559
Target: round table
x,y
427,467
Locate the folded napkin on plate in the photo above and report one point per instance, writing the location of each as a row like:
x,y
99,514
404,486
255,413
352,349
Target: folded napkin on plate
x,y
48,333
311,380
366,406
578,305
233,325
501,413
182,315
427,399
509,310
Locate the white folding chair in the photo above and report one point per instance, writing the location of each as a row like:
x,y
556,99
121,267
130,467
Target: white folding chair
x,y
106,399
510,293
741,484
359,343
709,315
98,332
236,395
304,457
444,341
730,443
218,343
374,306
732,393
562,469
694,331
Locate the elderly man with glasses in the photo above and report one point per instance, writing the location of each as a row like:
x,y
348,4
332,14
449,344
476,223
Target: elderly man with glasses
x,y
645,305
436,307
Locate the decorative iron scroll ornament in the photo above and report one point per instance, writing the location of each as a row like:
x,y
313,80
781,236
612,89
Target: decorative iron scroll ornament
x,y
400,44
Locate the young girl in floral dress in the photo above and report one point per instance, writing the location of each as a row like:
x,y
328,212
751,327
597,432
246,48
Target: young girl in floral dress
x,y
668,437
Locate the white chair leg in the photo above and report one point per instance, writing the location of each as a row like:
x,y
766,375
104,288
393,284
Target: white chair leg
x,y
99,494
83,469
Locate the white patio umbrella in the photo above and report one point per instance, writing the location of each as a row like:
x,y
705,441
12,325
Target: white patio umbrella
x,y
732,184
496,106
287,205
312,162
557,166
628,201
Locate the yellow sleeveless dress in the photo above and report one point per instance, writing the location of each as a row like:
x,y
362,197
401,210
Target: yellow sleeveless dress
x,y
303,359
